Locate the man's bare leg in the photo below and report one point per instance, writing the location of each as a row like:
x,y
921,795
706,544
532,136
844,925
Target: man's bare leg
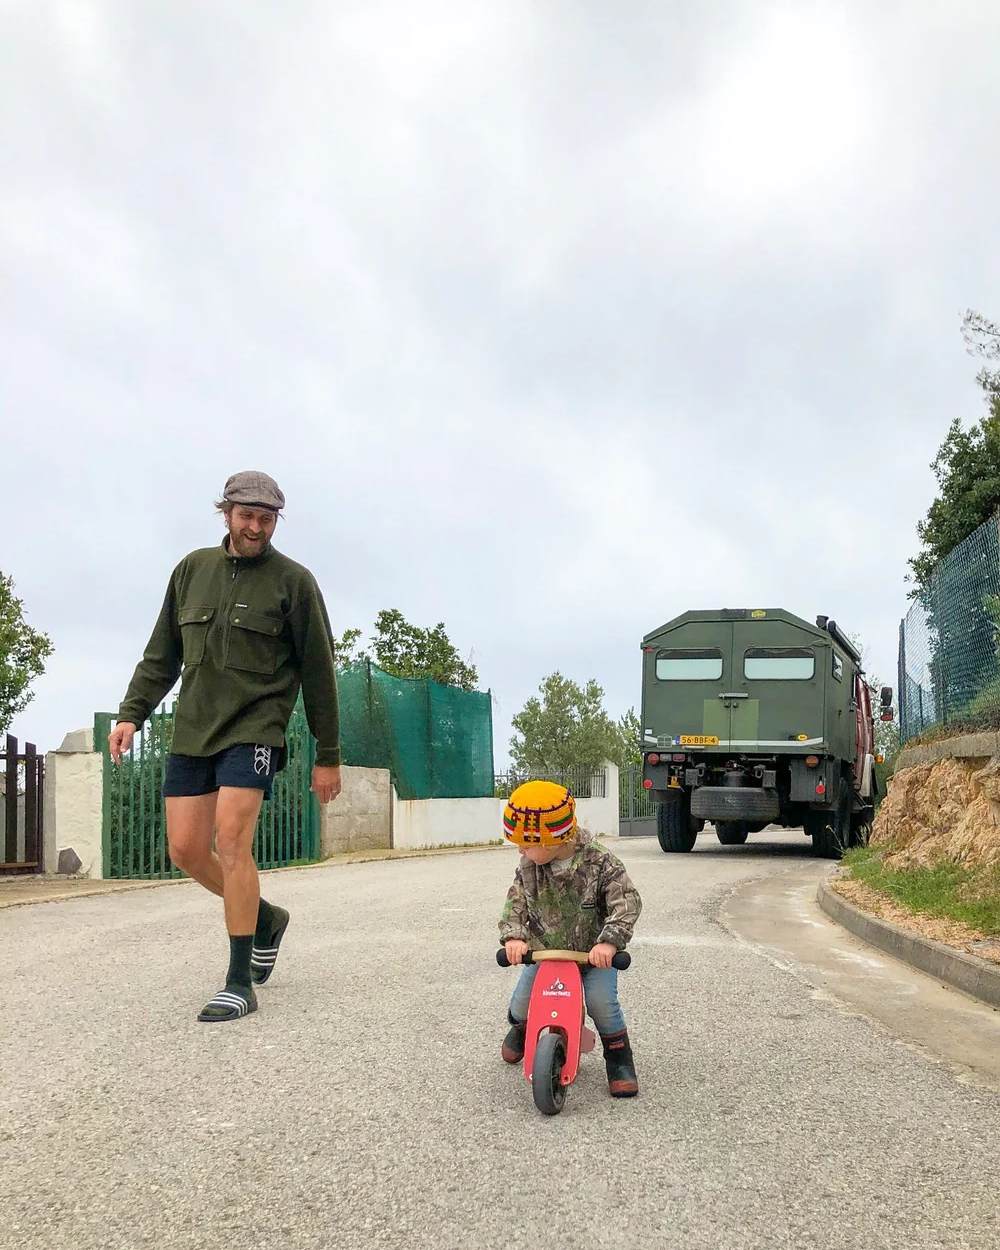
x,y
236,815
190,826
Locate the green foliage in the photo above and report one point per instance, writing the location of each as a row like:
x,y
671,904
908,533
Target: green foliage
x,y
628,751
23,652
982,338
565,727
406,650
967,466
970,895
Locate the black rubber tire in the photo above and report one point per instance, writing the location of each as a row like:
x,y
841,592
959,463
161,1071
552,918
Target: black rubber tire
x,y
731,832
831,831
546,1088
861,826
759,827
675,830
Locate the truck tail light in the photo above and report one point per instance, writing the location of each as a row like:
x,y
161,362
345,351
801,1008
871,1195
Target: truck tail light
x,y
653,758
812,761
821,788
647,784
678,759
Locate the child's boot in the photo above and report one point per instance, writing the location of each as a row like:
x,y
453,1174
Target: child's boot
x,y
622,1080
512,1049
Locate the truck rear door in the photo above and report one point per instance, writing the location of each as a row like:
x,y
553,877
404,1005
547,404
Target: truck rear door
x,y
687,668
778,688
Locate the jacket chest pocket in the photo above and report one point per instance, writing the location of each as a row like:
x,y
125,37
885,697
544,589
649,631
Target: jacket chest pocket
x,y
194,623
255,641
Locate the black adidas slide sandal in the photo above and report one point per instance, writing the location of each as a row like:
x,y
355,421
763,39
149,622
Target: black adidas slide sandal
x,y
229,1004
264,957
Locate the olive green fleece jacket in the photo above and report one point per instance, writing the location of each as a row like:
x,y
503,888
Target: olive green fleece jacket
x,y
243,635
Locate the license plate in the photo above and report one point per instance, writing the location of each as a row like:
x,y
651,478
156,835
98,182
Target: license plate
x,y
698,740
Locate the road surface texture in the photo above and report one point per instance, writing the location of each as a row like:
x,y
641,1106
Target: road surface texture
x,y
366,1105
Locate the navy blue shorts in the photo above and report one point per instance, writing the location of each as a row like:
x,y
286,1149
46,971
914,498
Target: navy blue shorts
x,y
247,766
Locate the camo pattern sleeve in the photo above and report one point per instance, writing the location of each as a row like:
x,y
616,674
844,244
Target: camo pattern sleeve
x,y
514,917
620,903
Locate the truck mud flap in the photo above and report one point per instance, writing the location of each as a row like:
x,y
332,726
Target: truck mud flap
x,y
735,803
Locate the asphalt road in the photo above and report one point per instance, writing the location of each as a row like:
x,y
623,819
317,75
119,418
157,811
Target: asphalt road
x,y
366,1105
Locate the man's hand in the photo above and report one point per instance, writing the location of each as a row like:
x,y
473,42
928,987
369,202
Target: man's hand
x,y
516,950
602,954
120,740
326,782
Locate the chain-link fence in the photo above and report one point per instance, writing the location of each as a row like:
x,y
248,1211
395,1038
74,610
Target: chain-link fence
x,y
949,641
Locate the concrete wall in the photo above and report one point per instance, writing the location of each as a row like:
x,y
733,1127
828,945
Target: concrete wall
x,y
455,822
73,815
361,818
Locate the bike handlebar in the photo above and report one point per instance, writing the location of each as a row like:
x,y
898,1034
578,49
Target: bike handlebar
x,y
620,961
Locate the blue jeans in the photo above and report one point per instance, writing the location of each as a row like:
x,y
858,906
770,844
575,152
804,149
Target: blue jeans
x,y
600,990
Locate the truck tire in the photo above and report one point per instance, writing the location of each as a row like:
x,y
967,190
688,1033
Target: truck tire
x,y
674,828
735,803
831,830
731,832
861,826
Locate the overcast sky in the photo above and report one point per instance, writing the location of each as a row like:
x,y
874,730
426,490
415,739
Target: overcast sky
x,y
552,320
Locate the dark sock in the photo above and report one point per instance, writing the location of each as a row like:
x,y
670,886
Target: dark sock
x,y
240,949
265,921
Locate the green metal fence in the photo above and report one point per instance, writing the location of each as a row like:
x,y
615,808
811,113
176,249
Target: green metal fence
x,y
949,641
582,781
134,831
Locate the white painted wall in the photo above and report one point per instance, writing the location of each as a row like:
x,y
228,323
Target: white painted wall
x,y
73,790
455,822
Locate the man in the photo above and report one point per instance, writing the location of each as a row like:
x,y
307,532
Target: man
x,y
244,627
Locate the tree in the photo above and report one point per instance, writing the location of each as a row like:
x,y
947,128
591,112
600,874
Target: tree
x,y
967,467
562,727
982,338
23,652
628,752
407,650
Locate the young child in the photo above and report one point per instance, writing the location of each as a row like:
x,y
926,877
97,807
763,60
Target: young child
x,y
569,893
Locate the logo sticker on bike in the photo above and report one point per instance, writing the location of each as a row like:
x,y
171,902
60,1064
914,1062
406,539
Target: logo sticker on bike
x,y
556,990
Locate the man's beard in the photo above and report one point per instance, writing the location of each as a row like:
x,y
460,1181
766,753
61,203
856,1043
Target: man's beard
x,y
243,547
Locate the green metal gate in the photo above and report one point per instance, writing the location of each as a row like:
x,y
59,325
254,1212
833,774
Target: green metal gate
x,y
636,810
134,831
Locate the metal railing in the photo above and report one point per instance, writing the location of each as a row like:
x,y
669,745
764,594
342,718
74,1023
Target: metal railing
x,y
134,827
582,782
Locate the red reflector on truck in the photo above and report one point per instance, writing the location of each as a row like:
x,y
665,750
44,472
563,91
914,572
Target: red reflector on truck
x,y
652,759
821,788
647,784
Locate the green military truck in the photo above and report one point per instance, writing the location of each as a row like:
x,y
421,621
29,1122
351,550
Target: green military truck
x,y
753,717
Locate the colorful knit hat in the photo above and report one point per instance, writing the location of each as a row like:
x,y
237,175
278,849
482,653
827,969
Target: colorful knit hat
x,y
540,813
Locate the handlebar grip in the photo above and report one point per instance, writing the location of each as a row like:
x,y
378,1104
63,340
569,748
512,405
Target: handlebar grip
x,y
621,961
504,962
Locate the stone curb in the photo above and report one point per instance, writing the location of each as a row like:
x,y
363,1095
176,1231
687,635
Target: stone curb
x,y
342,860
964,972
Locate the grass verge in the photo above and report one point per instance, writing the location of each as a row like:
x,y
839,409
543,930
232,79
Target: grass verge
x,y
969,895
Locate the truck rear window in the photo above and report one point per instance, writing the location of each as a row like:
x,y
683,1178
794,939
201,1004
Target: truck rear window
x,y
704,664
778,664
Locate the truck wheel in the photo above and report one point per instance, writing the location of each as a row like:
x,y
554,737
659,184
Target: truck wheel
x,y
547,1088
731,832
674,828
831,831
861,826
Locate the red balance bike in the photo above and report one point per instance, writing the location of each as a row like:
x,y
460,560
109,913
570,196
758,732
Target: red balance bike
x,y
555,1035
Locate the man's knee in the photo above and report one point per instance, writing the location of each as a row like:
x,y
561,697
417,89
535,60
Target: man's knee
x,y
187,852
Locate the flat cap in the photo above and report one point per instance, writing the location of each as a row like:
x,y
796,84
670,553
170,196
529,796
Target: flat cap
x,y
254,489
